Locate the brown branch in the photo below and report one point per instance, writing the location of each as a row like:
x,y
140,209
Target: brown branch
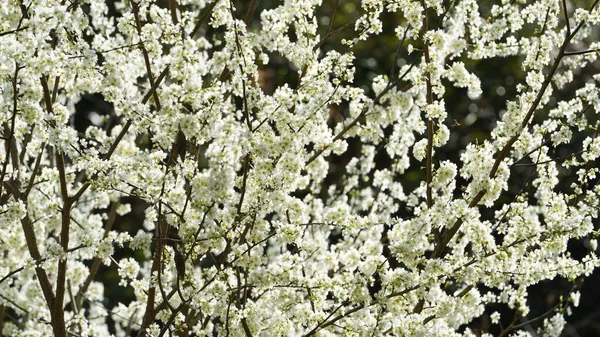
x,y
162,229
112,214
429,98
251,10
581,52
335,32
566,14
137,44
13,30
138,26
56,308
400,44
150,312
155,86
331,17
161,233
326,322
173,10
55,88
244,181
64,234
57,318
203,17
170,321
10,150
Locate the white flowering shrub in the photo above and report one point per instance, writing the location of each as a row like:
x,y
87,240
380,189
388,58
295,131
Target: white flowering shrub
x,y
252,224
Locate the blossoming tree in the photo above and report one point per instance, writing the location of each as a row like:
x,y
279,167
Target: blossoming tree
x,y
244,232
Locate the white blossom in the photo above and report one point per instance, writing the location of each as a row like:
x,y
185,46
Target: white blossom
x,y
242,179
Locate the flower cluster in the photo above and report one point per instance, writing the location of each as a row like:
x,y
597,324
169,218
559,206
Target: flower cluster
x,y
302,204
